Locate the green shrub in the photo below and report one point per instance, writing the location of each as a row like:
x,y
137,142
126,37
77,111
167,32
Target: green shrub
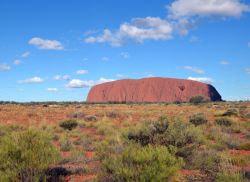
x,y
206,160
224,121
145,133
68,124
25,156
198,119
196,100
180,135
142,134
184,136
136,163
161,125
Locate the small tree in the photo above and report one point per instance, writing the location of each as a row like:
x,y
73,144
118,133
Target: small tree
x,y
25,156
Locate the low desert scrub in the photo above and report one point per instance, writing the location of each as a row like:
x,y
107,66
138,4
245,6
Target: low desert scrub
x,y
224,121
206,160
68,124
26,155
228,173
136,163
198,119
231,112
230,176
197,100
184,137
65,145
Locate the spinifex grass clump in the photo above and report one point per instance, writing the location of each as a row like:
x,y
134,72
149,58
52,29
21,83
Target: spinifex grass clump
x,y
184,137
25,156
137,163
198,119
224,121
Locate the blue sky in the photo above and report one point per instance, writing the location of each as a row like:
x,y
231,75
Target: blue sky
x,y
56,50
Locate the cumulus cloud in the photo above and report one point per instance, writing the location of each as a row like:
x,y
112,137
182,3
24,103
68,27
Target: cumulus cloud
x,y
77,83
46,44
248,70
61,77
52,89
182,16
201,8
139,30
103,80
82,72
4,67
25,54
201,79
194,69
35,79
17,62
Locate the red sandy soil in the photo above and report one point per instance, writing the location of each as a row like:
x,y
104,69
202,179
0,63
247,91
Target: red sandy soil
x,y
186,172
89,154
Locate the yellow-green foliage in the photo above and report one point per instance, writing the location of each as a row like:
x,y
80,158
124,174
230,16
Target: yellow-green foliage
x,y
136,163
26,155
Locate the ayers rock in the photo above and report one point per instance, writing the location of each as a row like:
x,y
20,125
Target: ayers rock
x,y
151,90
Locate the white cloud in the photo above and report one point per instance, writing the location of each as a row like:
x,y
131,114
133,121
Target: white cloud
x,y
4,67
221,8
77,83
248,70
25,54
52,89
202,79
224,63
61,77
46,44
103,80
35,79
194,69
82,72
17,62
125,55
105,58
139,30
182,16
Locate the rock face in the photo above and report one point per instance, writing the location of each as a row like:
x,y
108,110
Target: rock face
x,y
151,90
